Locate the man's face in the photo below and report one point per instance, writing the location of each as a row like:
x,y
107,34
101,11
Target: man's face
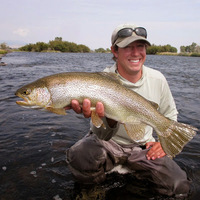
x,y
131,58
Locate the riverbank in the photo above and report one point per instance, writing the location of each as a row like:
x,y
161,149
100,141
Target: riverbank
x,y
179,54
2,53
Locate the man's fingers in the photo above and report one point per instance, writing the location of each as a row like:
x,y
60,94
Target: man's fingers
x,y
86,108
156,151
76,106
149,144
100,109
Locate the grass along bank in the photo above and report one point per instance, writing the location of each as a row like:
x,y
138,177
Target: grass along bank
x,y
2,52
179,54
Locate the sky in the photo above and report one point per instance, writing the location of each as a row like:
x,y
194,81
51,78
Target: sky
x,y
91,22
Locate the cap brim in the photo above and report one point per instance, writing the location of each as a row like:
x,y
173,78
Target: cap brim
x,y
123,42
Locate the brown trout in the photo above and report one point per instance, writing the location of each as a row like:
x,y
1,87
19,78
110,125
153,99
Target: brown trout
x,y
56,92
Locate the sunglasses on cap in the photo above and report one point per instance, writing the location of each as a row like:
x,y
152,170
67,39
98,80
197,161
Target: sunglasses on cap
x,y
127,32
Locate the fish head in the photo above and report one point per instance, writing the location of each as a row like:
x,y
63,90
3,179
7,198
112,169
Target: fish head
x,y
33,96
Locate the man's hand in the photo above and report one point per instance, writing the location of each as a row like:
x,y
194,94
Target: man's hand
x,y
86,108
156,150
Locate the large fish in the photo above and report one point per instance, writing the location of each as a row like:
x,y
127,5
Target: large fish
x,y
55,92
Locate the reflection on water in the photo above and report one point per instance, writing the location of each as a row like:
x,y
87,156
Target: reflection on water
x,y
33,143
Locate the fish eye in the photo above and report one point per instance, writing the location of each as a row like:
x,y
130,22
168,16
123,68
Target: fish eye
x,y
27,92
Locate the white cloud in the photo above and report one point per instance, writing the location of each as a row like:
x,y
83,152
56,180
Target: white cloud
x,y
23,32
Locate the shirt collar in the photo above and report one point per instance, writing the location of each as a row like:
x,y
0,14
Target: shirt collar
x,y
129,84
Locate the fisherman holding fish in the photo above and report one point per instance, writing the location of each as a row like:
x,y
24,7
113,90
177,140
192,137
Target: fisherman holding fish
x,y
126,103
105,148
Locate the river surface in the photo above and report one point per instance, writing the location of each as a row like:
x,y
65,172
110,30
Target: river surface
x,y
33,143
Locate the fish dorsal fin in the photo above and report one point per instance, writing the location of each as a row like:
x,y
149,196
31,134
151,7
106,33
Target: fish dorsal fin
x,y
112,76
155,105
135,131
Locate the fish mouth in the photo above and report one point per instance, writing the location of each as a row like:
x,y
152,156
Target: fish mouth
x,y
25,101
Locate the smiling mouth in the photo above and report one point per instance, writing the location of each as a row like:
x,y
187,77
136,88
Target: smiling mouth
x,y
134,61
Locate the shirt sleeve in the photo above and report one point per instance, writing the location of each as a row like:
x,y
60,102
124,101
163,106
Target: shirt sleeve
x,y
167,104
106,132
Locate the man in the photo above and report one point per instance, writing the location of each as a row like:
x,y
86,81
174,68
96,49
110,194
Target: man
x,y
104,148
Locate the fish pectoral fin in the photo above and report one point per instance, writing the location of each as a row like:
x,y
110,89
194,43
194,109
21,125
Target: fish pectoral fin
x,y
59,111
135,131
96,120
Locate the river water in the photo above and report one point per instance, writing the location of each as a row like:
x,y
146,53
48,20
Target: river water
x,y
33,143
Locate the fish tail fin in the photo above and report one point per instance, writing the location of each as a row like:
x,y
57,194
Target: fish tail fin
x,y
176,137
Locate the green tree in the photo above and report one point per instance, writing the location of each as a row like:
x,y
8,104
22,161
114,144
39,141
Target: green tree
x,y
197,50
58,38
28,47
40,46
73,47
193,48
182,49
108,50
100,50
83,49
154,49
4,46
56,45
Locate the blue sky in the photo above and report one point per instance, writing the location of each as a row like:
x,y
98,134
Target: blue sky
x,y
91,22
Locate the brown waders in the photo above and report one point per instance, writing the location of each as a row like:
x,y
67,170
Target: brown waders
x,y
91,158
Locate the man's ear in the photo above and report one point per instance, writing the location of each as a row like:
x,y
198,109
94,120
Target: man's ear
x,y
114,51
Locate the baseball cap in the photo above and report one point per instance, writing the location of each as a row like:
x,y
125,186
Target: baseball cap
x,y
125,34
